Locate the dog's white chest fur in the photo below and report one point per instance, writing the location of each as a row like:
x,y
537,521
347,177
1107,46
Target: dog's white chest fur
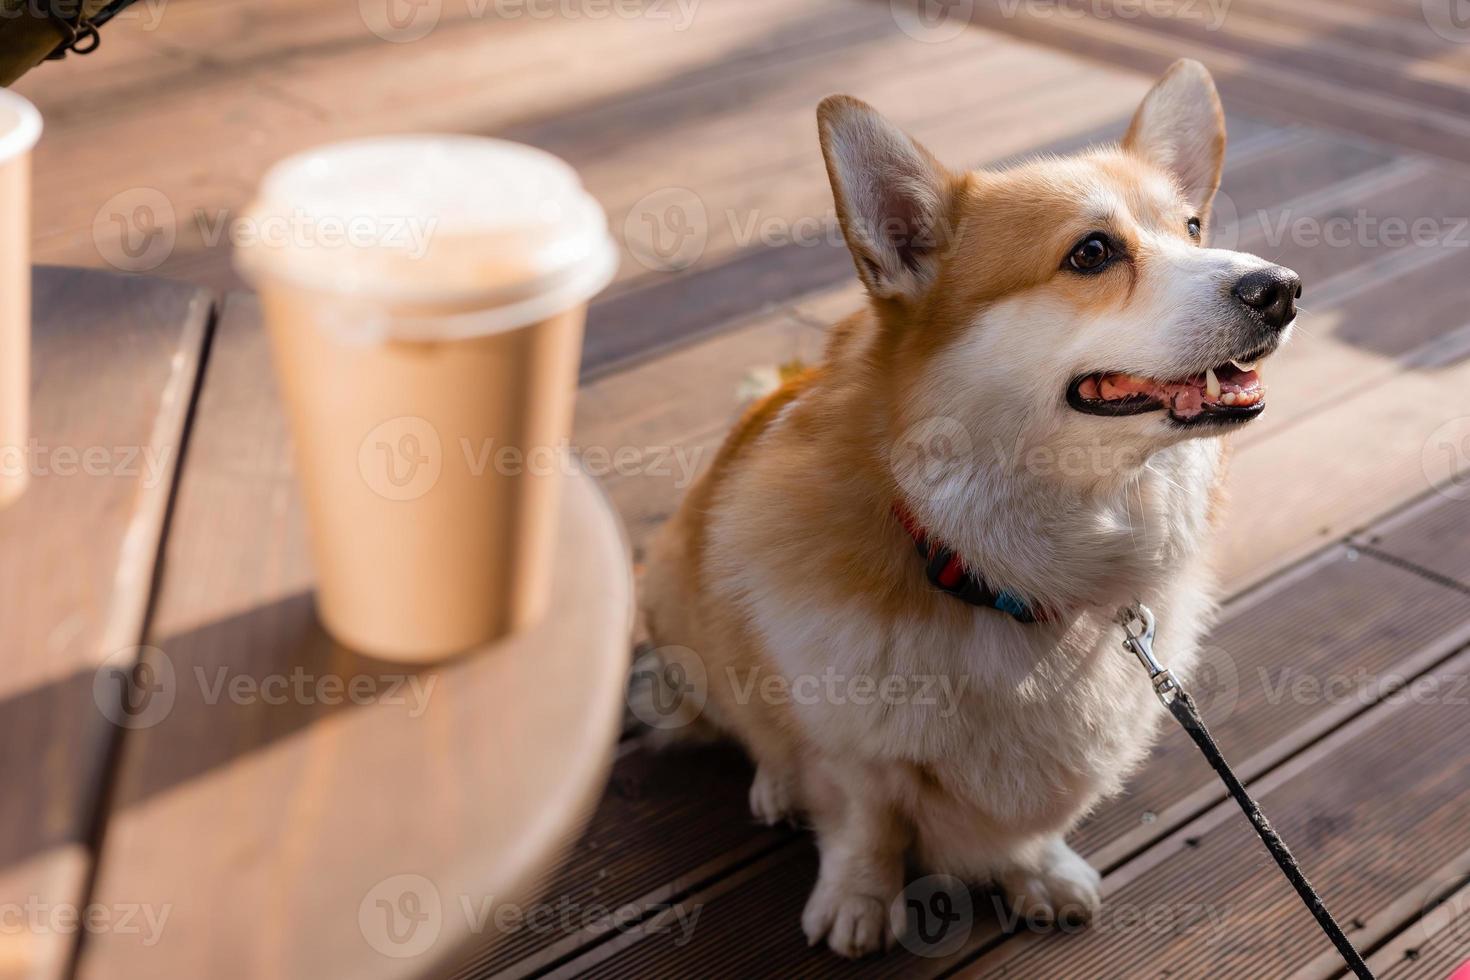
x,y
1005,728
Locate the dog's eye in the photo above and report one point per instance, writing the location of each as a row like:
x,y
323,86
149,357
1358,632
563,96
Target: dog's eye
x,y
1194,228
1092,253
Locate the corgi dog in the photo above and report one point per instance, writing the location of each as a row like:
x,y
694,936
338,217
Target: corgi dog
x,y
1021,433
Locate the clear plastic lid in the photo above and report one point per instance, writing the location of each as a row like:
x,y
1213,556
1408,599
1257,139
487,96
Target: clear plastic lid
x,y
502,233
20,125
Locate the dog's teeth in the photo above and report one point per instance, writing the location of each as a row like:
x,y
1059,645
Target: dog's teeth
x,y
1244,365
1212,383
1229,398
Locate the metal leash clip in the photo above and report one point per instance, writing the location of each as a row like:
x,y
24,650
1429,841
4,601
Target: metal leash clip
x,y
1138,625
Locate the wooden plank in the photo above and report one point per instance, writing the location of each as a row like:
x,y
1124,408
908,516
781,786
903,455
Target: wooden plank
x,y
1271,89
1355,331
1409,207
698,397
1309,49
1438,943
172,175
493,60
754,105
1339,619
113,369
1396,773
757,170
1405,9
1307,162
290,777
1366,28
1431,534
1334,471
486,75
759,228
234,43
623,330
1414,915
666,822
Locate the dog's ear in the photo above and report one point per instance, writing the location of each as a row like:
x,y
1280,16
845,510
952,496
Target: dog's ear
x,y
1180,128
892,197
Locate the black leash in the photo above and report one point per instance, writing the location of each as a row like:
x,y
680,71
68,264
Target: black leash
x,y
1138,628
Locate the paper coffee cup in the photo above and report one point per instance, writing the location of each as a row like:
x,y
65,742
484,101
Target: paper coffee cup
x,y
425,298
20,127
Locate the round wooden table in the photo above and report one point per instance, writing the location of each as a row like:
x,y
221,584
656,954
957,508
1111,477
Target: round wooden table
x,y
275,804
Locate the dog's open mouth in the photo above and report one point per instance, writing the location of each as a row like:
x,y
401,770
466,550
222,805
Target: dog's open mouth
x,y
1229,393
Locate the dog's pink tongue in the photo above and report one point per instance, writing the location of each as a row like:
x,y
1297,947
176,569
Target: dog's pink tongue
x,y
1126,385
1233,377
1187,400
1184,398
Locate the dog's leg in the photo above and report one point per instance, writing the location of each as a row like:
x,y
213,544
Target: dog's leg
x,y
774,792
771,794
659,695
1050,881
862,840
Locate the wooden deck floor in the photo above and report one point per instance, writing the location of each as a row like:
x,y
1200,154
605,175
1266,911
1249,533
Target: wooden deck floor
x,y
1345,565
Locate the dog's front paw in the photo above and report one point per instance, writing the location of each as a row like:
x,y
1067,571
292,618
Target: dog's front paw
x,y
1065,888
770,798
853,925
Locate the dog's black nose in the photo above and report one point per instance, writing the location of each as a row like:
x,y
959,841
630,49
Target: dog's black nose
x,y
1272,293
